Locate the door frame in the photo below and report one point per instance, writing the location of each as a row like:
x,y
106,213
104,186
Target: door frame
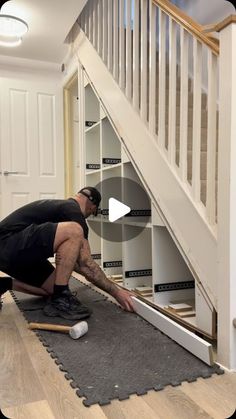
x,y
68,133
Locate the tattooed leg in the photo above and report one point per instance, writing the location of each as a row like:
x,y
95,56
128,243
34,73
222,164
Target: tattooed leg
x,y
67,244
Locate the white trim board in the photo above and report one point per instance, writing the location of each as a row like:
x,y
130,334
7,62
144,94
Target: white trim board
x,y
194,344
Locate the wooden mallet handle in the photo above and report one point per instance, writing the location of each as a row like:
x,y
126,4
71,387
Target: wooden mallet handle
x,y
48,326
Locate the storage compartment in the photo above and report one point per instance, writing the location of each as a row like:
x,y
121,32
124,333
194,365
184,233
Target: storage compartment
x,y
92,107
95,239
92,151
93,178
135,196
111,147
173,281
137,257
174,285
112,250
111,187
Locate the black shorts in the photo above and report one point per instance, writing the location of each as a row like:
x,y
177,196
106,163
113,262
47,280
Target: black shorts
x,y
24,254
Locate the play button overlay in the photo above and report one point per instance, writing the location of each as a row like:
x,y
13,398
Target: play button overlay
x,y
123,214
117,209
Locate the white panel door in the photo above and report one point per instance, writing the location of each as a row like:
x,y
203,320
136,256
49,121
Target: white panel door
x,y
32,150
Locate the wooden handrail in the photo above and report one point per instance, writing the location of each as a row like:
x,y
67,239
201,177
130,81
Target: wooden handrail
x,y
188,23
217,27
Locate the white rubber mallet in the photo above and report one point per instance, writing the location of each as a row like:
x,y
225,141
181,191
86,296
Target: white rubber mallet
x,y
79,329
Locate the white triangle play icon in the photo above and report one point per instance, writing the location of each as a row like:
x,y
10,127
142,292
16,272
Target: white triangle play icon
x,y
117,209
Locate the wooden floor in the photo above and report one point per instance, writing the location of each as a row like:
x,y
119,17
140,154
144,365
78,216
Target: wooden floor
x,y
32,386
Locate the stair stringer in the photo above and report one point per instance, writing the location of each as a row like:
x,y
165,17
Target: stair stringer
x,y
184,221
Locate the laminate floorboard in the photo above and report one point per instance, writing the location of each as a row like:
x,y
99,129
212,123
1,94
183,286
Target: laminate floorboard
x,y
36,410
32,386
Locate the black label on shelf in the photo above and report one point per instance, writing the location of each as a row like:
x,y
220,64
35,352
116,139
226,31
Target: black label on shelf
x,y
139,213
112,264
139,272
90,123
174,286
109,160
93,166
105,211
96,255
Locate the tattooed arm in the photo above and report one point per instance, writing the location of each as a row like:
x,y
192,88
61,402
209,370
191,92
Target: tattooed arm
x,y
89,268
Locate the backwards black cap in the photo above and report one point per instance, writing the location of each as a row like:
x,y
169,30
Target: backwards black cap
x,y
92,194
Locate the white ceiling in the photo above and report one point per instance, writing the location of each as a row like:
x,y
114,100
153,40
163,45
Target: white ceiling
x,y
49,22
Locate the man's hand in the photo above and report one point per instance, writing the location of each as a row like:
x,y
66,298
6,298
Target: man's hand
x,y
124,297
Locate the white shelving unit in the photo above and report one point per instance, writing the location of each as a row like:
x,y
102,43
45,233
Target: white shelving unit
x,y
148,262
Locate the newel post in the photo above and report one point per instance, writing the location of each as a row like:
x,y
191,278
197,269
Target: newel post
x,y
226,280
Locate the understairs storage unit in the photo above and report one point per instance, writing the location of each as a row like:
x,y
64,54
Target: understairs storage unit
x,y
157,106
136,252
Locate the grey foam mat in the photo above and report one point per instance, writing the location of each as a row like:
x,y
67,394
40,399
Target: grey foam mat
x,y
120,355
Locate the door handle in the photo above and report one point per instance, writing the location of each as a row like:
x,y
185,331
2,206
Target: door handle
x,y
6,173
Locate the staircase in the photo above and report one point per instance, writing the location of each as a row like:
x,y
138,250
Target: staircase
x,y
148,63
160,73
203,146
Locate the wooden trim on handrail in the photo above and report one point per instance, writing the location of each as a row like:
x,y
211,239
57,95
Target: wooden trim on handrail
x,y
188,23
217,27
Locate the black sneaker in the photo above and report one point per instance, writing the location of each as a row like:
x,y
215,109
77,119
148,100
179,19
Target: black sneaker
x,y
66,305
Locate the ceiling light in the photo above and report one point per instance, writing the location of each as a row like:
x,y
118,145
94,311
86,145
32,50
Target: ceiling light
x,y
11,30
10,41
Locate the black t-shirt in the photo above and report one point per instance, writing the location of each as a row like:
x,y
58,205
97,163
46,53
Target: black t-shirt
x,y
42,211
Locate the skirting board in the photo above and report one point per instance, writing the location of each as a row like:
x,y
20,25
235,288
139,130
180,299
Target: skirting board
x,y
194,344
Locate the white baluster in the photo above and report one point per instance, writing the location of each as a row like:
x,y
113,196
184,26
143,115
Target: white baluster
x,y
90,11
100,19
183,138
136,65
110,58
122,45
95,23
115,40
172,93
152,68
105,31
86,23
143,98
197,91
162,80
211,138
128,88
